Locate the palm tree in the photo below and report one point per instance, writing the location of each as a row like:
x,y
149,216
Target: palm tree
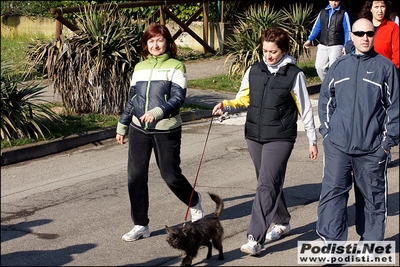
x,y
244,44
91,69
298,21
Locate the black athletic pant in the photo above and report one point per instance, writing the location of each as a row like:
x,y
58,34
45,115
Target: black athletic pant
x,y
167,149
368,173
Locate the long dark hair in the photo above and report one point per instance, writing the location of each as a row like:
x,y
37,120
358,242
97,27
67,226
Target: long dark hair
x,y
366,10
153,30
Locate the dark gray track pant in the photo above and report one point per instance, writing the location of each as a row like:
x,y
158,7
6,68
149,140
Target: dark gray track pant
x,y
269,206
167,149
368,172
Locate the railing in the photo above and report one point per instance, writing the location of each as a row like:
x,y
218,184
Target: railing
x,y
184,26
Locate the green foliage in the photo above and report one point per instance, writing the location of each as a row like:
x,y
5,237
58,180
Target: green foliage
x,y
185,11
13,50
93,67
298,21
218,83
21,114
28,8
308,67
182,11
72,124
244,44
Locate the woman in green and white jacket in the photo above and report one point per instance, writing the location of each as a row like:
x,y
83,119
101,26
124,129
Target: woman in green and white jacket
x,y
157,91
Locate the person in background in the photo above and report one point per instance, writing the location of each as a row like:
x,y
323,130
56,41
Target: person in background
x,y
333,26
157,91
387,32
386,40
358,109
274,91
395,18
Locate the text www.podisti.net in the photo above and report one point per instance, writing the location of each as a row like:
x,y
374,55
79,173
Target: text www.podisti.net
x,y
356,252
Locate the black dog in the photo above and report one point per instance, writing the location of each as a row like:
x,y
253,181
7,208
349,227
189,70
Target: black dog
x,y
192,236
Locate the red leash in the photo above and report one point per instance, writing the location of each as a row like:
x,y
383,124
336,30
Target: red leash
x,y
198,170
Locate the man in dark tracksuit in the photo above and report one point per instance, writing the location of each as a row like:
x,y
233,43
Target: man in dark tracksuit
x,y
359,114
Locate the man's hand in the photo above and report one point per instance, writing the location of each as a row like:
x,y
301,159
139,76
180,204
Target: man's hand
x,y
307,44
313,150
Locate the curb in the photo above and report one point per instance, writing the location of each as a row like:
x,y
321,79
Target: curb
x,y
44,148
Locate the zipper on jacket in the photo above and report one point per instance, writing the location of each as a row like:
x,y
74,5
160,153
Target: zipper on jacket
x,y
355,98
146,107
262,105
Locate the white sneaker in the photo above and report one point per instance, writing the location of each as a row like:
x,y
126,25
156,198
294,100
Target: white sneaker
x,y
137,232
252,247
277,231
197,211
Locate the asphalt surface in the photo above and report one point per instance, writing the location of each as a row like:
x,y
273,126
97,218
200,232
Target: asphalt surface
x,y
70,207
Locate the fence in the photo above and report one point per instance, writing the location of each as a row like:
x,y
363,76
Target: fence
x,y
32,26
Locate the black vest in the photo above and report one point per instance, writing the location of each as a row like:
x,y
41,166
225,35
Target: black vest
x,y
272,114
334,34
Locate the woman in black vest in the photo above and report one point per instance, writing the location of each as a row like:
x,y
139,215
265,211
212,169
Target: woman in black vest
x,y
275,92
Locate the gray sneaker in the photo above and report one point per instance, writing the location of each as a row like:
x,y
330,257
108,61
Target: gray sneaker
x,y
137,232
197,211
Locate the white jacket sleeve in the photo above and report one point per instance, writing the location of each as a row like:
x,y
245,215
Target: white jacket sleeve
x,y
304,106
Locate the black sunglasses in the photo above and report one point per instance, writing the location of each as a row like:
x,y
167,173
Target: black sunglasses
x,y
361,34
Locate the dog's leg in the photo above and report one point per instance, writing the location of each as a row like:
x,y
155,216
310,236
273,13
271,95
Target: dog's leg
x,y
187,261
217,242
209,246
190,255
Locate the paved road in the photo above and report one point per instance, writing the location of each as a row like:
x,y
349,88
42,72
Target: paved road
x,y
72,208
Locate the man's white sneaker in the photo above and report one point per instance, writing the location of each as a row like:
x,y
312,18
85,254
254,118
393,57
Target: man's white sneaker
x,y
252,247
197,211
277,231
137,232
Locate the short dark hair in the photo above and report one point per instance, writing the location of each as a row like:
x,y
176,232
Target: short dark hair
x,y
278,36
153,30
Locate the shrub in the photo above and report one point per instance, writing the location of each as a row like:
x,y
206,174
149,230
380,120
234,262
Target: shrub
x,y
21,113
243,45
91,69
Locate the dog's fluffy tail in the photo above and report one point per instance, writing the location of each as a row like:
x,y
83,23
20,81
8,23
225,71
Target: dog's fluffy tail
x,y
219,204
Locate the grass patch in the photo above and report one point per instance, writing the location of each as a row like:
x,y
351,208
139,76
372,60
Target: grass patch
x,y
228,84
70,124
309,70
188,54
13,48
217,83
